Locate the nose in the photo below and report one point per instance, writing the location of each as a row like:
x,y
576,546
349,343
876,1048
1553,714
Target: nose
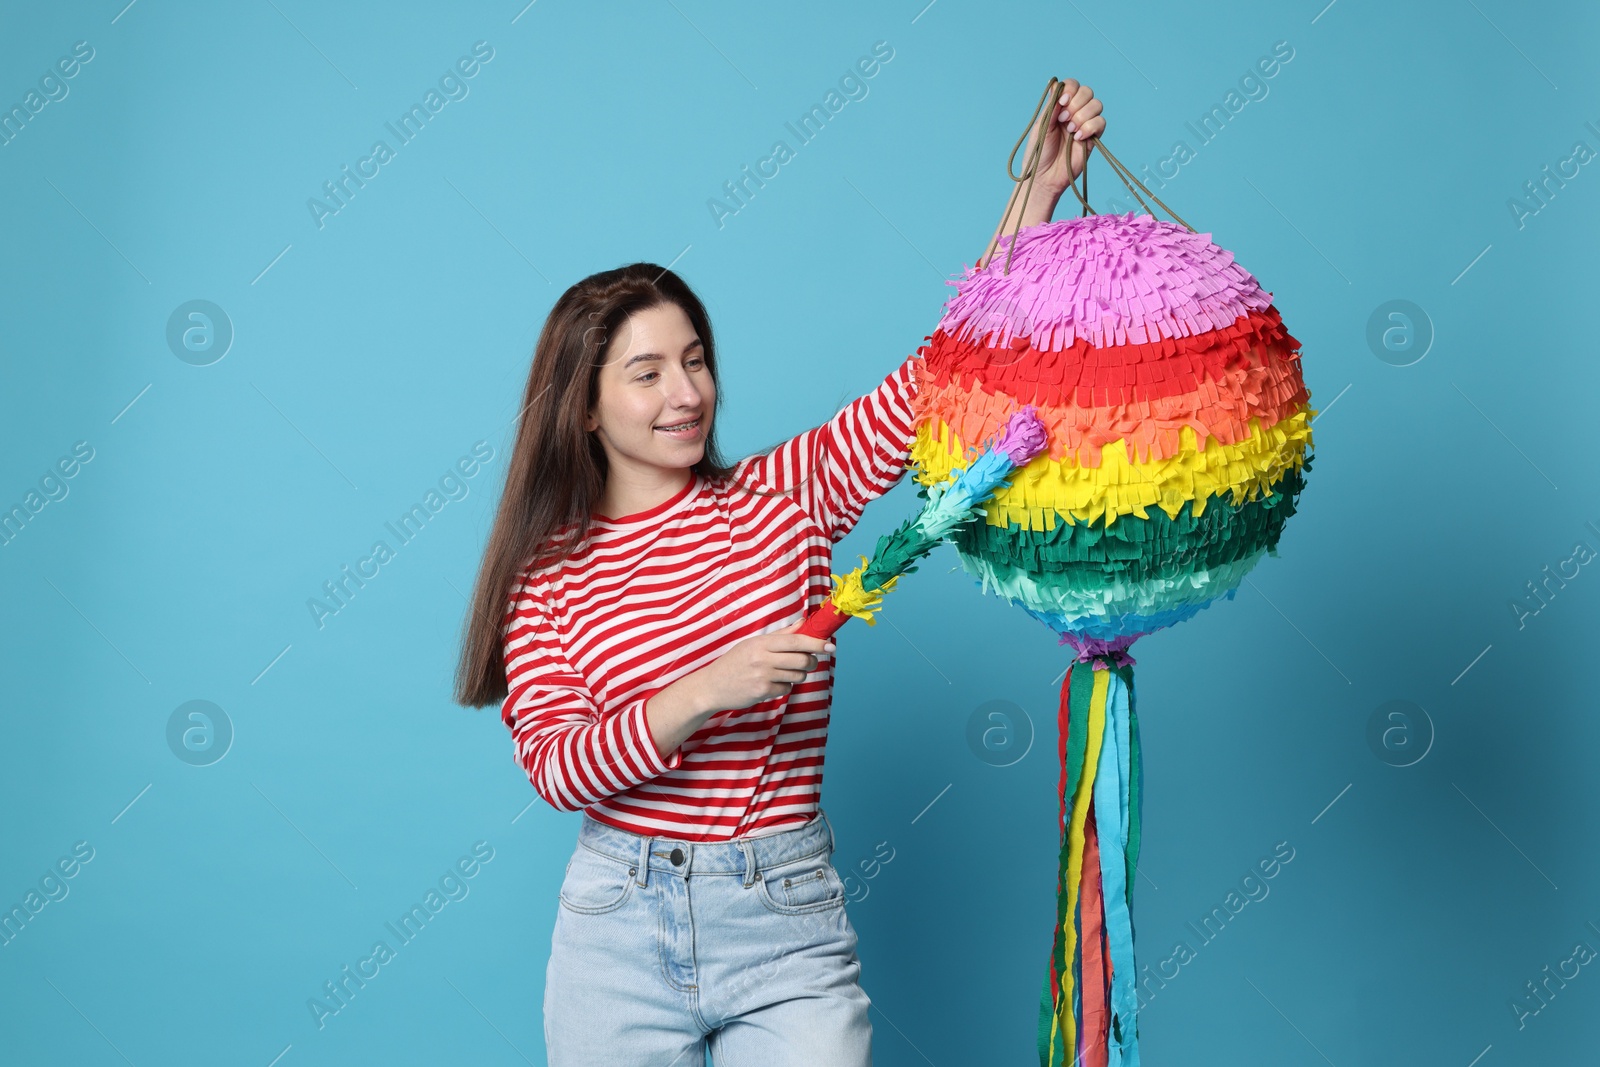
x,y
684,394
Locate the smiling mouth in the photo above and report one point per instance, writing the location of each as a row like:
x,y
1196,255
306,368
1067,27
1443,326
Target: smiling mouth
x,y
680,427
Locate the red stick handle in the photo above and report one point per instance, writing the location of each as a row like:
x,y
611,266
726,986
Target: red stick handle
x,y
824,622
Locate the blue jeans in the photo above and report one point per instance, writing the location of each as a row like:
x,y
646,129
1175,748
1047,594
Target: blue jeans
x,y
664,948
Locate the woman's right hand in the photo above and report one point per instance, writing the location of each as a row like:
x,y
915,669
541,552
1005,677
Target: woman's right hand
x,y
756,669
761,667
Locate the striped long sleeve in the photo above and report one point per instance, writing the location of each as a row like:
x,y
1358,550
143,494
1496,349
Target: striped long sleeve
x,y
574,751
836,468
664,591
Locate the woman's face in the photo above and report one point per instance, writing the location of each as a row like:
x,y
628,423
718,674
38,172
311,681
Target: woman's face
x,y
655,377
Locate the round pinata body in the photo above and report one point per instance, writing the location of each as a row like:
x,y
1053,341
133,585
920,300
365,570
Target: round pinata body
x,y
1178,422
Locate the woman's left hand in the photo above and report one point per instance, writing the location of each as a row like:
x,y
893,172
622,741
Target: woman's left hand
x,y
1076,118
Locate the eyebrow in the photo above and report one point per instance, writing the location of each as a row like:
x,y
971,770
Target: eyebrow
x,y
652,355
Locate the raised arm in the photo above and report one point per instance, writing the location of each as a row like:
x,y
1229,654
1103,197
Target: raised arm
x,y
574,751
1077,118
833,470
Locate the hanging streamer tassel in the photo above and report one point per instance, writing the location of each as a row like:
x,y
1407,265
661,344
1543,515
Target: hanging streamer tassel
x,y
1088,1010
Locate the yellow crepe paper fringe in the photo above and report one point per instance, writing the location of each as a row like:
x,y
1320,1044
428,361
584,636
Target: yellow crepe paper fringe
x,y
851,597
1047,488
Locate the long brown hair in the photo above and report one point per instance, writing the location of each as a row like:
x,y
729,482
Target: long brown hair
x,y
558,470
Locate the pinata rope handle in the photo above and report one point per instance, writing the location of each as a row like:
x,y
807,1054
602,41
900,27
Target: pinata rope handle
x,y
1039,122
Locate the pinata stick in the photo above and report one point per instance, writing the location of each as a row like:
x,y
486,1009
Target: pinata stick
x,y
860,592
825,620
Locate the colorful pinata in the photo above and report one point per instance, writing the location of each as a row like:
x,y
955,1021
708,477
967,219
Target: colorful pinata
x,y
1179,431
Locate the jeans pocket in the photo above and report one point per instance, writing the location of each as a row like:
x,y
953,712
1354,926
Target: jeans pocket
x,y
801,886
595,884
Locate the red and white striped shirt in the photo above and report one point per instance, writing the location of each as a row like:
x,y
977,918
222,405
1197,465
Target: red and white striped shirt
x,y
663,592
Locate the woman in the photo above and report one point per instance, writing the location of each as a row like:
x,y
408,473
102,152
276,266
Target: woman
x,y
635,617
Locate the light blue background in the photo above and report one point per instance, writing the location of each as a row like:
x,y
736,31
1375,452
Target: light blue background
x,y
375,351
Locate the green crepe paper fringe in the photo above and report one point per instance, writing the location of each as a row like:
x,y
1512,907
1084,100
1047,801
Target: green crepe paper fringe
x,y
1133,550
921,534
1114,598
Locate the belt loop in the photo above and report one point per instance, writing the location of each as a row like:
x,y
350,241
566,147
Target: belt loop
x,y
829,825
749,851
644,861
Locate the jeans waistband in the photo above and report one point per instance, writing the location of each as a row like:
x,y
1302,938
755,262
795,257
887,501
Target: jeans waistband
x,y
746,856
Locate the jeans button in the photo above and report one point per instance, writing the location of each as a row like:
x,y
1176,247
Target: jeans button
x,y
676,857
